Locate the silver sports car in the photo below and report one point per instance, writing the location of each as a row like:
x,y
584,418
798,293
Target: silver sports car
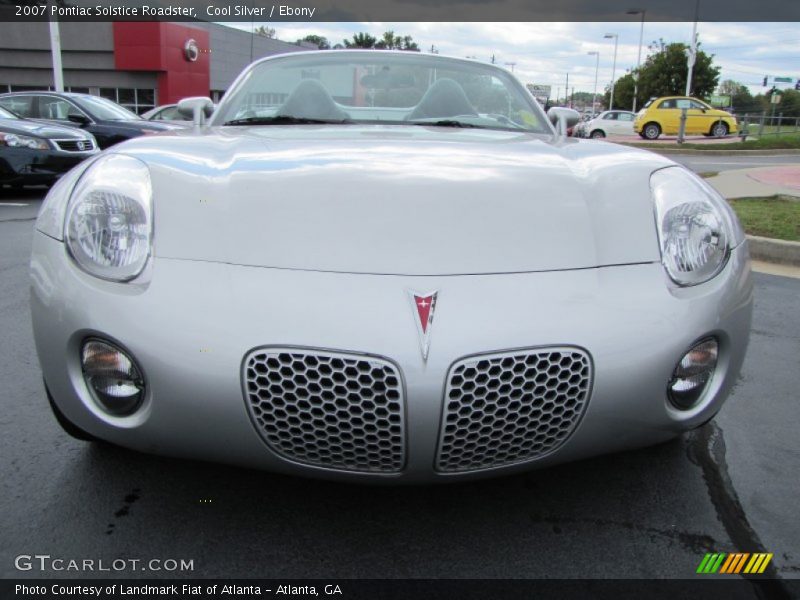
x,y
376,265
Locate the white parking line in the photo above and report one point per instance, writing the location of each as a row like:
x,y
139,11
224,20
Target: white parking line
x,y
15,203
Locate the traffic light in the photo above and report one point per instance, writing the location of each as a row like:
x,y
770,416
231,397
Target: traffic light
x,y
797,85
765,81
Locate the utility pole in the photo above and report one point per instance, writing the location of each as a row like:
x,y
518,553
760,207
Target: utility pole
x,y
55,51
511,64
692,50
566,92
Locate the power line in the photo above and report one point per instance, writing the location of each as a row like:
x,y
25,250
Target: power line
x,y
765,44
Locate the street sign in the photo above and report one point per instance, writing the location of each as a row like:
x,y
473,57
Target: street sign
x,y
776,99
720,101
784,80
540,92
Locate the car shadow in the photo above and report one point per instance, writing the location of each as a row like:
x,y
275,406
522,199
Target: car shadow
x,y
233,520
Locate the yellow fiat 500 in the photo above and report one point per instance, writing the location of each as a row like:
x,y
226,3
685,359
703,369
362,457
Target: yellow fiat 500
x,y
663,115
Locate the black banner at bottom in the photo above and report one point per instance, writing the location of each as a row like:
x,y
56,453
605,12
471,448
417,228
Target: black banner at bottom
x,y
410,589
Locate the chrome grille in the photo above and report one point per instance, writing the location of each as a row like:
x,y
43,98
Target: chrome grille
x,y
75,145
333,410
511,407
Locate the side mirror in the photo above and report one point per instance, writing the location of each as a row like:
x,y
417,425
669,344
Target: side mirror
x,y
78,118
197,108
563,118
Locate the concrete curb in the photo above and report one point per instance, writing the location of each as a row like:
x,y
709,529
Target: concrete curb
x,y
774,251
687,152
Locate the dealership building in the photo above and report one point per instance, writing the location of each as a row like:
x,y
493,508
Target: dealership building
x,y
137,64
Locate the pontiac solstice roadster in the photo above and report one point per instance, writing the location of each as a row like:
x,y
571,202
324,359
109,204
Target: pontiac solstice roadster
x,y
385,265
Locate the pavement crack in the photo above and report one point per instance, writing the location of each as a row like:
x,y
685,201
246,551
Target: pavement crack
x,y
695,542
706,448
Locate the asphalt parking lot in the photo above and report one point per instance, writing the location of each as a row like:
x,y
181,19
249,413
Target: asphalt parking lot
x,y
731,486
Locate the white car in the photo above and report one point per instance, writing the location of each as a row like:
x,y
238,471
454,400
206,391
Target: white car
x,y
610,122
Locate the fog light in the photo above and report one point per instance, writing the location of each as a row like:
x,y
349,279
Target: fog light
x,y
112,376
692,374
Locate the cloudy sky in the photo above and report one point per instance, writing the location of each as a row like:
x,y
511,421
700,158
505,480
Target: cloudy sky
x,y
545,52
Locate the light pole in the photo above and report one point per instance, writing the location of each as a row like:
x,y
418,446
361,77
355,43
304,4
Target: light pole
x,y
692,50
596,70
613,68
639,59
512,65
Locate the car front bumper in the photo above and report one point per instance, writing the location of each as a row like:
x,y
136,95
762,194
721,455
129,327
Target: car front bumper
x,y
28,166
191,327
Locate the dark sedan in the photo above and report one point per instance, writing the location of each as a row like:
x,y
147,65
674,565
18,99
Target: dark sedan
x,y
107,121
32,152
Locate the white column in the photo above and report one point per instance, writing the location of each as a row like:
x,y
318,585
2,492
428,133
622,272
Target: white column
x,y
55,50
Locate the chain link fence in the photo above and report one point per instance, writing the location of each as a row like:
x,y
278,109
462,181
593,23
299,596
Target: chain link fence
x,y
762,124
756,125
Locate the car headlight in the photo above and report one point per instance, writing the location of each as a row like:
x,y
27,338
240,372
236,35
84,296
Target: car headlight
x,y
109,223
14,140
696,227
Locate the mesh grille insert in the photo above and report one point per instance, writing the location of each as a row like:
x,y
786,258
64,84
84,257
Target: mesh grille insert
x,y
328,409
505,408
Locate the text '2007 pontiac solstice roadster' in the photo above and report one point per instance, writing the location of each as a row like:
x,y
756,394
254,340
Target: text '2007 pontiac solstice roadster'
x,y
385,265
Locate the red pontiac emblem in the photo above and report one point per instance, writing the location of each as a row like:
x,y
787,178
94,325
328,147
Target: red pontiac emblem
x,y
424,306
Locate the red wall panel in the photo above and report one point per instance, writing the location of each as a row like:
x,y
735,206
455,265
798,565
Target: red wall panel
x,y
159,47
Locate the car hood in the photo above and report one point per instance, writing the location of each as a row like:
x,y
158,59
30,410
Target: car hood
x,y
143,125
42,130
399,199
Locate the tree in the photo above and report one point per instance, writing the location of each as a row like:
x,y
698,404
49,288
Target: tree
x,y
741,99
623,93
789,106
410,45
389,41
361,40
319,41
664,74
267,32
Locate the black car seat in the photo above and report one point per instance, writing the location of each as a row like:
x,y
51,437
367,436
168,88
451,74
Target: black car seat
x,y
445,98
310,100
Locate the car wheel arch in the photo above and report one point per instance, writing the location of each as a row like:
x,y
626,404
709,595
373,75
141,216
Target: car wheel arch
x,y
652,126
719,129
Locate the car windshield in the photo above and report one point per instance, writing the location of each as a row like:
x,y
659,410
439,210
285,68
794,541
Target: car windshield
x,y
375,86
106,110
5,114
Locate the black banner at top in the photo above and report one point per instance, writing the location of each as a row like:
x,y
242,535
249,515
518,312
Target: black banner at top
x,y
400,10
